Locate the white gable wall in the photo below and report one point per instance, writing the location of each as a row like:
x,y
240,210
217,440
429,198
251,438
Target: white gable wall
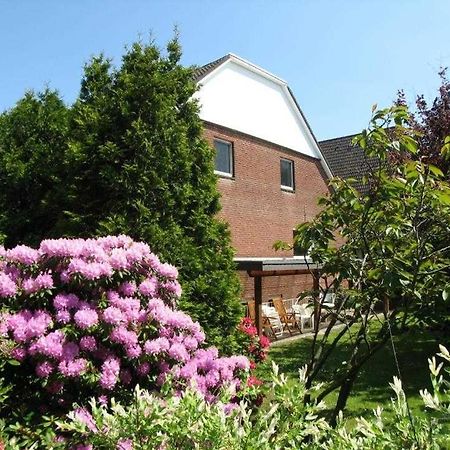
x,y
241,99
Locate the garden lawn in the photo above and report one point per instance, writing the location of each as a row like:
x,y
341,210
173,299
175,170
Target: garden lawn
x,y
371,389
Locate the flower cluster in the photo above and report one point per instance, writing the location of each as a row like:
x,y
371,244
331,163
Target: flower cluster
x,y
101,312
257,346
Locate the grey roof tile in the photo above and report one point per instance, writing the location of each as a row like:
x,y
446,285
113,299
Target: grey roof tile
x,y
202,71
346,160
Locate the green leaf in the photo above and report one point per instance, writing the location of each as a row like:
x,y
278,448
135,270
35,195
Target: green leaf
x,y
13,362
435,170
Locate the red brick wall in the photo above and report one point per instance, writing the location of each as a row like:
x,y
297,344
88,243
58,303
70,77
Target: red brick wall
x,y
259,212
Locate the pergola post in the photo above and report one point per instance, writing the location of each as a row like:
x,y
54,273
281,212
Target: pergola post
x,y
258,268
258,304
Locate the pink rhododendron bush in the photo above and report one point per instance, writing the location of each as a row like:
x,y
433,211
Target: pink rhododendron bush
x,y
96,317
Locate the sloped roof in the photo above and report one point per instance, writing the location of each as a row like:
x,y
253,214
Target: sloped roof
x,y
203,71
346,160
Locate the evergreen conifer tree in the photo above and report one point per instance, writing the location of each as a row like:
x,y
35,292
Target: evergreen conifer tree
x,y
140,166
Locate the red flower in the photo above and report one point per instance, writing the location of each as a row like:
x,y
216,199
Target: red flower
x,y
265,342
253,381
247,327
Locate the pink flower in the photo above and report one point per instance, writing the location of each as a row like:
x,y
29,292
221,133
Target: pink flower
x,y
42,281
168,271
65,301
128,288
44,369
149,287
49,345
118,259
23,254
18,353
123,336
178,352
86,318
173,287
18,325
110,373
229,408
85,417
189,370
212,378
7,286
133,351
38,324
125,444
265,342
143,369
113,316
156,346
241,362
63,316
88,343
73,368
70,350
190,343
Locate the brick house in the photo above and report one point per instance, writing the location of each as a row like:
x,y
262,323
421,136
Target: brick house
x,y
270,168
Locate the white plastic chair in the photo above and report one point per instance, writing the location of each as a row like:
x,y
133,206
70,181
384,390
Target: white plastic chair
x,y
305,314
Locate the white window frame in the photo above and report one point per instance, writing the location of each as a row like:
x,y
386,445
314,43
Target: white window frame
x,y
288,188
231,150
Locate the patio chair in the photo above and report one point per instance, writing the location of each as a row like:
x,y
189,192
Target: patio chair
x,y
268,326
288,319
304,314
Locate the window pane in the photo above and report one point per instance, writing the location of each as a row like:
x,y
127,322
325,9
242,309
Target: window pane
x,y
286,173
223,157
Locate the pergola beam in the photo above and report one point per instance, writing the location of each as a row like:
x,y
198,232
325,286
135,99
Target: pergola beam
x,y
257,268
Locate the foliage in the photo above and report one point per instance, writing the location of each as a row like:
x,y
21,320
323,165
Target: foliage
x,y
33,141
188,422
432,123
371,388
127,158
391,267
142,167
96,317
282,422
255,346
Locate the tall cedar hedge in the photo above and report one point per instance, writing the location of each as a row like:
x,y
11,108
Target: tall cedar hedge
x,y
127,157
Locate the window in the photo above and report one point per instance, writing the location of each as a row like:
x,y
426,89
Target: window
x,y
224,158
287,174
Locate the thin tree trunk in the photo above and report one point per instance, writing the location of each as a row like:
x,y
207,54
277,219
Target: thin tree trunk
x,y
344,393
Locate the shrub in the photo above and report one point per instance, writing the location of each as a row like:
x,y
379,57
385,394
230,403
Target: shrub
x,y
95,317
128,157
283,422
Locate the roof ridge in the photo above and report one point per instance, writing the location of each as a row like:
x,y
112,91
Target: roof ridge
x,y
340,137
204,70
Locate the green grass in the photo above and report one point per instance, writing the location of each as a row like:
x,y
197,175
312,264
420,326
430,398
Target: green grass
x,y
371,389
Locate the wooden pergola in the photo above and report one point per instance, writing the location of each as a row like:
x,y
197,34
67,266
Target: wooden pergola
x,y
257,268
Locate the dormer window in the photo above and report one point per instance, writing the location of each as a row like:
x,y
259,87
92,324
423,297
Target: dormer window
x,y
224,158
287,174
